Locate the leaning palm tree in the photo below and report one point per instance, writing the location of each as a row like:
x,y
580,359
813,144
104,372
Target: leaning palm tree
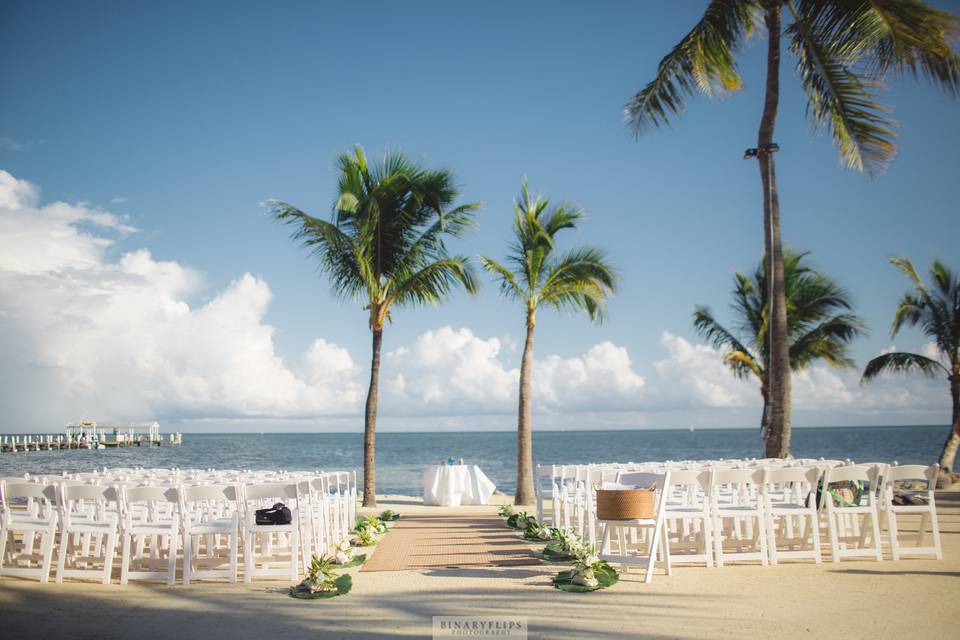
x,y
936,311
385,247
844,49
578,280
820,324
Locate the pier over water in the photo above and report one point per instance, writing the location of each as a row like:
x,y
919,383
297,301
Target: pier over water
x,y
88,434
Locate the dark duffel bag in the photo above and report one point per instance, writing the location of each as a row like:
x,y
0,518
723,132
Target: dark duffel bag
x,y
277,514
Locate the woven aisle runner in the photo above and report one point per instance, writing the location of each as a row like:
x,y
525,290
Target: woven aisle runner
x,y
450,541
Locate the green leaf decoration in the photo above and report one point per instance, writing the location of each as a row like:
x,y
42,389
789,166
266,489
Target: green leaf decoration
x,y
554,553
343,585
605,574
389,516
356,561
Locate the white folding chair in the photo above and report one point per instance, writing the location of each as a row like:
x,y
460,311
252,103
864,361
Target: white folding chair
x,y
847,526
689,525
278,543
790,507
150,534
89,517
653,527
738,517
543,490
209,529
927,512
36,518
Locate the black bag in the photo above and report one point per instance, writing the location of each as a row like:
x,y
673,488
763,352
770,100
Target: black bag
x,y
277,514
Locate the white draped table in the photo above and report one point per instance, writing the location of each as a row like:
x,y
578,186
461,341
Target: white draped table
x,y
451,485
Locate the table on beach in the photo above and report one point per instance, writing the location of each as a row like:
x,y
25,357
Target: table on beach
x,y
452,485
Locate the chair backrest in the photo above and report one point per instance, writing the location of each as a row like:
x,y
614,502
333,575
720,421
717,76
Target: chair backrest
x,y
272,490
914,472
641,479
99,503
789,475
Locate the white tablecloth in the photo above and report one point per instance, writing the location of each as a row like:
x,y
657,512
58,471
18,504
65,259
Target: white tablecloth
x,y
451,485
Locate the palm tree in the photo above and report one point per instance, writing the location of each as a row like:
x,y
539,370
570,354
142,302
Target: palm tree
x,y
936,311
537,275
844,49
820,324
385,247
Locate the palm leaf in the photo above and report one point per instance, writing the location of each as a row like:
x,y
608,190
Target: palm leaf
x,y
841,101
901,362
703,61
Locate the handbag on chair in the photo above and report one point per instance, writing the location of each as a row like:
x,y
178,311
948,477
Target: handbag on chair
x,y
278,514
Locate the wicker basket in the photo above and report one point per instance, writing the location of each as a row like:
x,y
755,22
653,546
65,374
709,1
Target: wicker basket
x,y
624,504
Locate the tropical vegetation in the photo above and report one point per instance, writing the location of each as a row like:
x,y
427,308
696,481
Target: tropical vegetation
x,y
385,247
820,324
935,311
843,49
537,275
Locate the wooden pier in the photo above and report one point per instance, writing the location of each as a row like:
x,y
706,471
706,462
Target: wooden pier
x,y
89,435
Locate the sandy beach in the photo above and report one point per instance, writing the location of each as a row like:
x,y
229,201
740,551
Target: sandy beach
x,y
854,599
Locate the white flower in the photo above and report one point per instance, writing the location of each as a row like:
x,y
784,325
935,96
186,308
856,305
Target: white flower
x,y
344,546
343,557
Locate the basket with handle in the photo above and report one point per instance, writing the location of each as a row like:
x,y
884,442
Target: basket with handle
x,y
624,504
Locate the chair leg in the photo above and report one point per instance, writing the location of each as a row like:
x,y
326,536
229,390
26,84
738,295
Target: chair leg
x,y
234,544
47,550
109,550
815,537
875,523
124,558
172,560
62,555
772,537
3,547
832,531
187,558
248,561
652,554
665,543
294,555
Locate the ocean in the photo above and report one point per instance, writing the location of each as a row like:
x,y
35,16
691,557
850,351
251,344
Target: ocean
x,y
401,457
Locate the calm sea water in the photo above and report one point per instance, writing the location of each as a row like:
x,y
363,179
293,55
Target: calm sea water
x,y
401,457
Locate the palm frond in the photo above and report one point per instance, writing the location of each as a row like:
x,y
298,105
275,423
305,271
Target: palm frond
x,y
509,287
840,100
703,61
905,37
902,362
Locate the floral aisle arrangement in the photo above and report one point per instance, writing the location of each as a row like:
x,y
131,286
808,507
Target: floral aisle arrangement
x,y
368,530
588,572
344,555
566,541
506,510
520,520
389,516
322,581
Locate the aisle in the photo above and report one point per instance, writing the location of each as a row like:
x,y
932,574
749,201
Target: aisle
x,y
450,541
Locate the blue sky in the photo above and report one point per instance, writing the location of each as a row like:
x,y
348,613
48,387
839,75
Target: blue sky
x,y
185,116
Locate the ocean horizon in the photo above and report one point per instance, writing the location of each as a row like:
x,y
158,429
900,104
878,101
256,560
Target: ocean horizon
x,y
402,456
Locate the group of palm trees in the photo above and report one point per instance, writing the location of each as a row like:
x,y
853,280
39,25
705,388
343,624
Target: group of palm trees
x,y
386,246
821,325
386,241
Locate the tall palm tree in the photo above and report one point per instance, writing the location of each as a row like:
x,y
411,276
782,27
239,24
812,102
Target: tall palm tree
x,y
578,280
385,247
936,311
820,324
844,49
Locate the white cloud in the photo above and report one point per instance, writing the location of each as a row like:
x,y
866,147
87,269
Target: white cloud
x,y
694,375
88,335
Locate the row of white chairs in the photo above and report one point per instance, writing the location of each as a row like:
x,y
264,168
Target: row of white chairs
x,y
712,512
162,517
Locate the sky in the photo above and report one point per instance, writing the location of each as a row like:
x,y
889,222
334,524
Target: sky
x,y
140,277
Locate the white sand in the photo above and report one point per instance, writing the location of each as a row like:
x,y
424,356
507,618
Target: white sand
x,y
911,598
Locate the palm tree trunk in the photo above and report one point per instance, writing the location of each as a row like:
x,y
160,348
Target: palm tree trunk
x,y
778,435
370,424
765,416
525,492
953,440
